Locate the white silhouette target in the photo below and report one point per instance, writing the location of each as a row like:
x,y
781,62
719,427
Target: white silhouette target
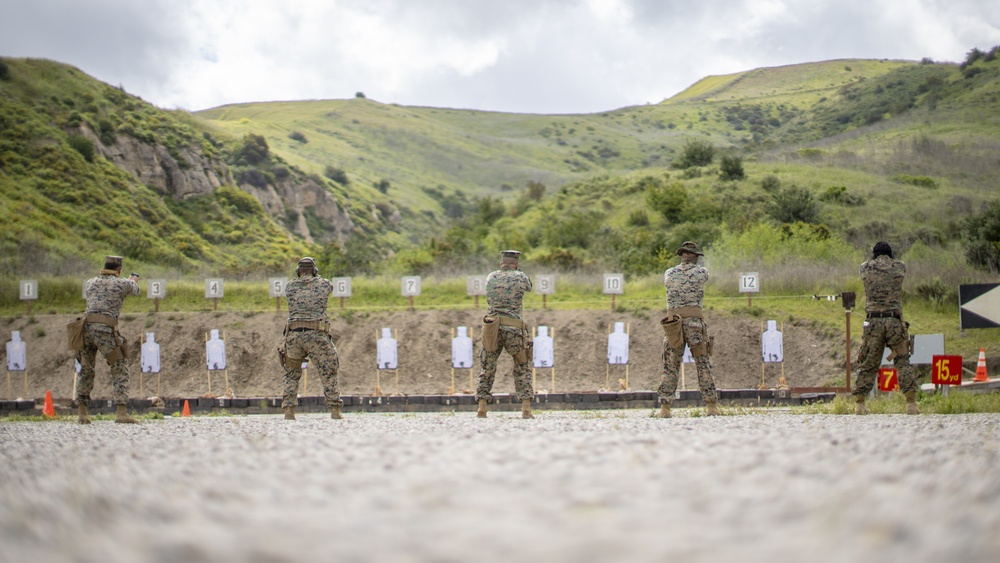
x,y
618,346
461,349
387,352
544,352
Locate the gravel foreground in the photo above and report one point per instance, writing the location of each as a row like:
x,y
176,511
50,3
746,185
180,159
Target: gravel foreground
x,y
567,486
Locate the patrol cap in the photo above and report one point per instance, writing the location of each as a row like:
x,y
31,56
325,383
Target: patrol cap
x,y
689,246
510,255
112,262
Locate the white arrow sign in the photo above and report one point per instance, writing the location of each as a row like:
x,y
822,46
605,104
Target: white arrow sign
x,y
985,305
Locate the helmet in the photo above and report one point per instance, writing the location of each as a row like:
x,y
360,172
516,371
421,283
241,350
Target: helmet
x,y
691,247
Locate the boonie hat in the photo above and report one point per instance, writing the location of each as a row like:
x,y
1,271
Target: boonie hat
x,y
691,247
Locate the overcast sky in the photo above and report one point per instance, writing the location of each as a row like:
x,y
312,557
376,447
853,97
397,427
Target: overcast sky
x,y
537,56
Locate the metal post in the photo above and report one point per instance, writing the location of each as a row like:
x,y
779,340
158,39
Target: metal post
x,y
848,362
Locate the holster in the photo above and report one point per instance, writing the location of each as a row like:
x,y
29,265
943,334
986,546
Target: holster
x,y
283,356
704,348
527,353
491,333
74,334
905,346
121,351
675,333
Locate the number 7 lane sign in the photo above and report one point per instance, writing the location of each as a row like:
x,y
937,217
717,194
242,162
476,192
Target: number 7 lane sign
x,y
946,370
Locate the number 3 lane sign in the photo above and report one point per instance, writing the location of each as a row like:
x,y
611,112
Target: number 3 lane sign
x,y
946,370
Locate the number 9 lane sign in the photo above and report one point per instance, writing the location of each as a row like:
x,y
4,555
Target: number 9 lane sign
x,y
545,285
341,287
614,284
946,370
411,286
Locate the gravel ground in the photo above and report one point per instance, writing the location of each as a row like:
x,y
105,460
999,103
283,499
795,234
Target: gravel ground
x,y
567,486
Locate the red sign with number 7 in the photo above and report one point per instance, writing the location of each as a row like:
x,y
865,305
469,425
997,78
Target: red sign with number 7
x,y
946,370
888,380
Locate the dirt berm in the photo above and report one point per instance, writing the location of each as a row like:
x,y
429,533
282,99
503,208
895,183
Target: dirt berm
x,y
812,357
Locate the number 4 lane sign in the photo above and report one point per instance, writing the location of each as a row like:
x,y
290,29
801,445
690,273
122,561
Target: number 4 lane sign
x,y
946,370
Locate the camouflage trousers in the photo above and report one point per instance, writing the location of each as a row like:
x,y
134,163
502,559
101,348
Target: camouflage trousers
x,y
877,336
103,339
322,354
695,332
513,342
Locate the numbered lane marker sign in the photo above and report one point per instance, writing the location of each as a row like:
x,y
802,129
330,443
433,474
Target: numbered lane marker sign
x,y
213,288
29,290
614,284
156,289
474,285
341,287
888,379
749,282
411,286
545,285
276,286
946,370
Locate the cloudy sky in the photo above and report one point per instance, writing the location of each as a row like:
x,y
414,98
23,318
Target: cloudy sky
x,y
537,56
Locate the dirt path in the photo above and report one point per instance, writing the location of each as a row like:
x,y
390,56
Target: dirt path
x,y
580,337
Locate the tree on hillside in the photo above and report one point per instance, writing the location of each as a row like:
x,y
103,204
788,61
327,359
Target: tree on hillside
x,y
669,200
337,175
794,204
982,237
731,168
695,153
4,70
254,149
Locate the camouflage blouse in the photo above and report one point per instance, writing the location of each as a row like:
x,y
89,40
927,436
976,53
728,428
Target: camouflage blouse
x,y
685,285
504,292
106,293
307,298
883,280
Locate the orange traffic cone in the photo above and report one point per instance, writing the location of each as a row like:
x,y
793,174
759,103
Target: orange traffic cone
x,y
981,366
187,409
49,410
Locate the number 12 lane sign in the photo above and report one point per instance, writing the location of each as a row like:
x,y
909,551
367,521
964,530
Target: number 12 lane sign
x,y
749,282
946,370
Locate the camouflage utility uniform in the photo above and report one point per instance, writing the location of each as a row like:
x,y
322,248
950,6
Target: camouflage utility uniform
x,y
685,288
505,290
884,328
307,300
105,295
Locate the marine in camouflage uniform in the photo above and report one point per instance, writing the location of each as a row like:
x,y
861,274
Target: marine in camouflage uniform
x,y
685,288
105,294
307,335
884,328
505,290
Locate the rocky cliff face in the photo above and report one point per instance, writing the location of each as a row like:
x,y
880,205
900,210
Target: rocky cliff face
x,y
297,198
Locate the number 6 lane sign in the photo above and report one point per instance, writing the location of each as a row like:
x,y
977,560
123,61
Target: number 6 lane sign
x,y
749,282
341,287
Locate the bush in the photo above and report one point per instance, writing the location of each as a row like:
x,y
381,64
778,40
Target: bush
x,y
4,70
254,149
695,153
668,200
982,235
638,218
337,175
770,183
297,136
731,168
794,204
921,181
839,194
83,146
382,185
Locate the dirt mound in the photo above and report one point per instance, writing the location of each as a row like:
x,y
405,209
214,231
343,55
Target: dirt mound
x,y
424,337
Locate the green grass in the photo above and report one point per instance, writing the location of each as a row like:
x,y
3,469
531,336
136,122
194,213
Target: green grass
x,y
957,402
73,418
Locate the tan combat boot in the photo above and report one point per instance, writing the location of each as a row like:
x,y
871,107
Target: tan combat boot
x,y
289,413
84,416
481,413
859,406
526,409
664,411
712,409
335,413
122,417
911,403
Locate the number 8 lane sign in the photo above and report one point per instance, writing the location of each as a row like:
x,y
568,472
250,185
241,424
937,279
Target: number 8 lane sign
x,y
946,370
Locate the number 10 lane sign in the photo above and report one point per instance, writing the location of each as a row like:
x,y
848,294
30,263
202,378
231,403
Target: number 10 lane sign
x,y
749,282
946,370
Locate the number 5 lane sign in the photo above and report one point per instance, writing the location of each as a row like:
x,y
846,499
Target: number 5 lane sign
x,y
946,370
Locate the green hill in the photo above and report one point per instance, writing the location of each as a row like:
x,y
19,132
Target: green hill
x,y
836,154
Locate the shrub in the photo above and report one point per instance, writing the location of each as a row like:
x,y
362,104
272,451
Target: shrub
x,y
839,194
696,153
4,70
770,183
794,204
382,185
83,146
254,149
731,168
982,235
106,132
638,218
337,175
921,181
298,136
668,200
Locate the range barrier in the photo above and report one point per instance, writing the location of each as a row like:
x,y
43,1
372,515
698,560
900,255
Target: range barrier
x,y
434,403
